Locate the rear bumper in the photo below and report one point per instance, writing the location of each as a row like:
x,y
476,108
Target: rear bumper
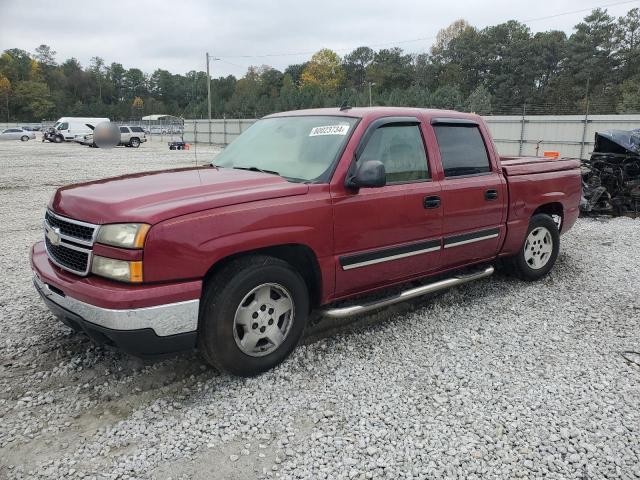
x,y
155,328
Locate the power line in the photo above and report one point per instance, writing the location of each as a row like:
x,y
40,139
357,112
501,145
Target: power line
x,y
422,39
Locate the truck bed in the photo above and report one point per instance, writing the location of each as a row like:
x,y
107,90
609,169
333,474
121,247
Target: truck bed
x,y
514,166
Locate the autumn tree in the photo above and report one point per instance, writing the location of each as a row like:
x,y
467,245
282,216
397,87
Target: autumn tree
x,y
5,93
323,71
446,35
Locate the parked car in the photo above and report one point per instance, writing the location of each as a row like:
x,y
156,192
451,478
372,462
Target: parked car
x,y
132,136
303,210
17,134
68,128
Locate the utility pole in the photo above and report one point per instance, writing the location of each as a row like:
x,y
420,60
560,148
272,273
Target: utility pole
x,y
370,84
586,119
208,90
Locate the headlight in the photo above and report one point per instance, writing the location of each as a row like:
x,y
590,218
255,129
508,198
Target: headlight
x,y
121,270
127,235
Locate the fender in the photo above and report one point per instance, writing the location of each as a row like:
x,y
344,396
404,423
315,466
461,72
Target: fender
x,y
186,247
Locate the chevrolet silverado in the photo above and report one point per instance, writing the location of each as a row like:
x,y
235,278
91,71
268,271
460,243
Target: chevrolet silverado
x,y
304,210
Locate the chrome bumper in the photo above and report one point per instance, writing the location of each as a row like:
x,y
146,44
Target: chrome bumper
x,y
164,320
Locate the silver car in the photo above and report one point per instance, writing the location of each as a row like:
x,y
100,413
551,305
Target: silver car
x,y
17,134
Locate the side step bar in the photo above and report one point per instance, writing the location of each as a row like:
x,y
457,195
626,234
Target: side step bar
x,y
345,312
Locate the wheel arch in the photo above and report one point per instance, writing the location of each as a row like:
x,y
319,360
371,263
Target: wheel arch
x,y
299,256
553,209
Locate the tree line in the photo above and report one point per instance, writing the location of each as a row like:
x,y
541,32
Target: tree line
x,y
501,69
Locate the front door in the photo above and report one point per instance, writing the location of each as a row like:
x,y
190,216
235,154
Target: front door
x,y
473,195
390,233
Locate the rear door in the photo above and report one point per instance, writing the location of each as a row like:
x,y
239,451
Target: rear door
x,y
390,233
125,135
473,192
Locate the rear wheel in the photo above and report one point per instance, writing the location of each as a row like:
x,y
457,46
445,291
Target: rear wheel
x,y
24,138
539,251
253,314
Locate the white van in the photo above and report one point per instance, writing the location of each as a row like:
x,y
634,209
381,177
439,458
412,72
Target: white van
x,y
67,128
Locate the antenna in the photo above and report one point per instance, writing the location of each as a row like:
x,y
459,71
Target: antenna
x,y
345,106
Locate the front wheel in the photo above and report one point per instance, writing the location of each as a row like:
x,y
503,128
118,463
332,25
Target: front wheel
x,y
253,314
539,251
135,143
57,139
24,138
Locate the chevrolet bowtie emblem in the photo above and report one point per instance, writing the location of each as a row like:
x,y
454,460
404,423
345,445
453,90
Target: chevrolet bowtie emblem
x,y
53,234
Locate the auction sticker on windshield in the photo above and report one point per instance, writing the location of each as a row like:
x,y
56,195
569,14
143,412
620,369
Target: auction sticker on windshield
x,y
329,130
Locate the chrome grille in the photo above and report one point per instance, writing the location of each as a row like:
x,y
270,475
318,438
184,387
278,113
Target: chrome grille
x,y
69,242
82,232
68,258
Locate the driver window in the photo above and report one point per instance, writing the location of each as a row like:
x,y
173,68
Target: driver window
x,y
63,126
401,150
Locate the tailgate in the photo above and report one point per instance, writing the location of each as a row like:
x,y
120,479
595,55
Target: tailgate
x,y
513,166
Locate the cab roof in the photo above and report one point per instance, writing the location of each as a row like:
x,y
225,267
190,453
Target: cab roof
x,y
376,112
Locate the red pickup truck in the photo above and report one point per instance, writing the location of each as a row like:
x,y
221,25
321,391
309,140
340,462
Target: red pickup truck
x,y
303,210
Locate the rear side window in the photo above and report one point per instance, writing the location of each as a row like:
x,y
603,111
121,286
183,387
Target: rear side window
x,y
136,129
401,150
124,130
462,150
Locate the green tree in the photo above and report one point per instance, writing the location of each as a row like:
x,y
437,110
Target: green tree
x,y
390,68
479,101
628,42
33,98
630,101
355,66
97,72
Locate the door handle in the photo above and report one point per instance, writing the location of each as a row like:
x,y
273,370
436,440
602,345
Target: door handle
x,y
431,202
491,194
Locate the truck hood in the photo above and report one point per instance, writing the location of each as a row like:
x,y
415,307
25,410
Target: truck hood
x,y
151,197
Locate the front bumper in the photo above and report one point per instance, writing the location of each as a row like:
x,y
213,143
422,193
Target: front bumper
x,y
153,328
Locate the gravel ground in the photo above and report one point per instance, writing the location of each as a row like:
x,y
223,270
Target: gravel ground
x,y
497,379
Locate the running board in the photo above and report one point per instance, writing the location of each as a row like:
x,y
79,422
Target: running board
x,y
346,312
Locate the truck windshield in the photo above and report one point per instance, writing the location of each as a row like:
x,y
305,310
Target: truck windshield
x,y
300,149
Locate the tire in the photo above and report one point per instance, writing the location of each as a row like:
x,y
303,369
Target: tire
x,y
24,138
57,139
539,251
134,142
240,308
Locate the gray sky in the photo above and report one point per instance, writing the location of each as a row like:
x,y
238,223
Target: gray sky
x,y
175,35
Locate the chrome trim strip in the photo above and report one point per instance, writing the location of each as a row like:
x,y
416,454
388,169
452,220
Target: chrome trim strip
x,y
471,240
390,258
345,312
164,320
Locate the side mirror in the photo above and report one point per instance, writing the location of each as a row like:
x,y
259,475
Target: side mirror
x,y
369,174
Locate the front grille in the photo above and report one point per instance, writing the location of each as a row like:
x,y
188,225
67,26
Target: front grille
x,y
70,229
69,242
74,260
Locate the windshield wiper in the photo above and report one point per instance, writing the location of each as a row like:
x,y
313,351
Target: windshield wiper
x,y
256,169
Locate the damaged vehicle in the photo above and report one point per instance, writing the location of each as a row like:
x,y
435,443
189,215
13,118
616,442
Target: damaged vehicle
x,y
611,177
